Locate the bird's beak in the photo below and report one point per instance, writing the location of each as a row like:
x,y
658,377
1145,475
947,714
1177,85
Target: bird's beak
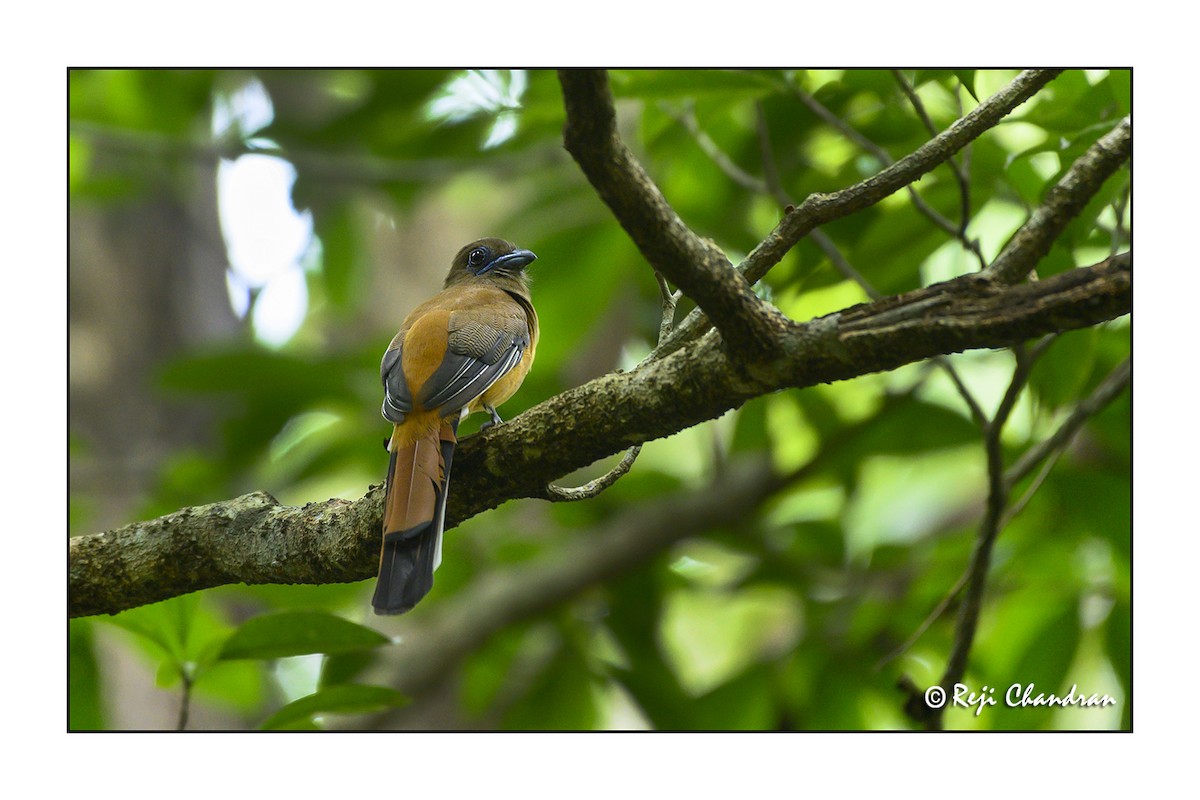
x,y
512,262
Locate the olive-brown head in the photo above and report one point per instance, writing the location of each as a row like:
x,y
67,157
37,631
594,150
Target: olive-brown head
x,y
494,260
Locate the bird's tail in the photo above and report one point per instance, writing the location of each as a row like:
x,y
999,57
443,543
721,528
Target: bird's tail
x,y
414,512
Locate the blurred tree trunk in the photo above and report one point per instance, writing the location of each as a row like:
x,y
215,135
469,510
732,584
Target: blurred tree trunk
x,y
147,279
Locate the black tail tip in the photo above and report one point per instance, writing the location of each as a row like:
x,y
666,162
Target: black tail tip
x,y
393,611
394,597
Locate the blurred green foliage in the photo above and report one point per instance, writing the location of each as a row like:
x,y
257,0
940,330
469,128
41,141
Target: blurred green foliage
x,y
786,621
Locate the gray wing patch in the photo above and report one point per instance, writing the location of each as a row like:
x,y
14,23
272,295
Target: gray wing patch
x,y
478,355
397,401
465,379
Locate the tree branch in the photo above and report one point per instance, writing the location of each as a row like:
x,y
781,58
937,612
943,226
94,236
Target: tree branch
x,y
339,168
697,266
771,186
1063,203
253,539
997,514
819,209
989,530
931,213
1052,446
249,539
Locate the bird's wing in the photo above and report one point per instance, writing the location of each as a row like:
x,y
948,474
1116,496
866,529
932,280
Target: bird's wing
x,y
397,400
481,348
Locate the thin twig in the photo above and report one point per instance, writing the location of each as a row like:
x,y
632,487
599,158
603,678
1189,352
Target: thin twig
x,y
960,170
1042,345
844,267
915,100
185,700
1112,385
696,323
1119,235
669,301
687,118
819,209
1019,506
933,617
989,530
965,167
769,167
844,128
592,488
595,487
973,406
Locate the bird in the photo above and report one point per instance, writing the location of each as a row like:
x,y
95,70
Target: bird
x,y
466,349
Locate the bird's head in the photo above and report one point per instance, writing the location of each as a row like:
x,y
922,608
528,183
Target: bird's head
x,y
491,258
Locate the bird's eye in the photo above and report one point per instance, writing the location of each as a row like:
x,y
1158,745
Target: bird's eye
x,y
477,257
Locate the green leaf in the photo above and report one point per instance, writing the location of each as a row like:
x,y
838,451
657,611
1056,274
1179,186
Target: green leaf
x,y
1108,511
181,630
297,633
709,637
911,427
1061,373
832,684
1022,176
342,699
946,77
635,609
1071,104
263,390
160,624
923,76
967,78
1121,83
658,696
342,668
167,101
750,432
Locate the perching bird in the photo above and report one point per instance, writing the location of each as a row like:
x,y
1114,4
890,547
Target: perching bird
x,y
465,349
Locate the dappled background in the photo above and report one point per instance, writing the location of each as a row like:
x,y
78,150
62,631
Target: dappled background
x,y
244,244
